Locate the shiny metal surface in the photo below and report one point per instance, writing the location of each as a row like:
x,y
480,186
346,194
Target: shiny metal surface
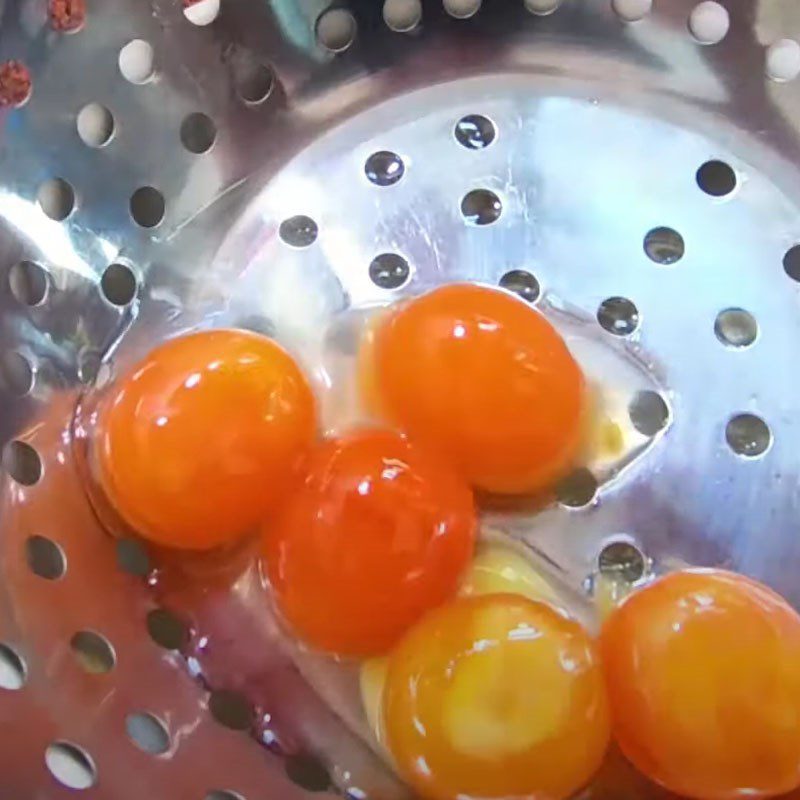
x,y
601,127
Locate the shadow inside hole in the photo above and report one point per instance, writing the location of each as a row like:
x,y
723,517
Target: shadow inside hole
x,y
389,271
13,673
791,263
384,168
623,560
95,124
231,710
748,435
29,283
522,283
148,733
716,178
22,463
93,652
56,199
118,284
475,132
223,794
45,558
198,133
735,327
16,374
147,207
308,772
578,489
402,16
664,246
336,29
253,80
618,316
298,231
167,630
481,207
649,412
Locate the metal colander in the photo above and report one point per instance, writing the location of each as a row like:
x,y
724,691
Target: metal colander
x,y
288,165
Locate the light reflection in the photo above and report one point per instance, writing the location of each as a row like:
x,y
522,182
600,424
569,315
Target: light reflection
x,y
192,380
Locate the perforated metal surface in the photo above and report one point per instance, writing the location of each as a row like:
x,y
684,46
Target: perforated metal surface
x,y
260,142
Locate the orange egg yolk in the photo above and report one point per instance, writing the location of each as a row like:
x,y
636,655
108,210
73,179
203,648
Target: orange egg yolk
x,y
197,442
379,532
703,670
484,379
496,696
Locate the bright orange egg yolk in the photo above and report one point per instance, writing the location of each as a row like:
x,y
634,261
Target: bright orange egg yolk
x,y
703,670
379,532
484,379
496,696
196,443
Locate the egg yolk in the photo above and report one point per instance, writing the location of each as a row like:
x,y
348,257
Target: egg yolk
x,y
703,671
496,696
197,442
379,532
486,380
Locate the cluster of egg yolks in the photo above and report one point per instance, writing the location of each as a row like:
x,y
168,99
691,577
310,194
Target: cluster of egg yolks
x,y
703,670
196,444
484,379
496,696
378,532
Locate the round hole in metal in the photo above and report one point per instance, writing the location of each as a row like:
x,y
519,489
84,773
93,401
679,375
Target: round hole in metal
x,y
45,557
664,246
462,9
384,168
748,435
147,207
13,673
402,16
716,178
198,133
475,132
308,772
29,283
618,315
709,22
578,489
67,16
253,80
336,29
622,559
542,7
223,794
22,463
132,558
148,733
522,283
631,10
649,412
16,374
389,271
167,630
231,709
16,85
791,262
70,765
93,652
736,328
118,284
56,199
201,12
783,60
298,231
481,207
95,124
137,62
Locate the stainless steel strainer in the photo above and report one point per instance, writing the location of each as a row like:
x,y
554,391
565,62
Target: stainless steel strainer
x,y
287,165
